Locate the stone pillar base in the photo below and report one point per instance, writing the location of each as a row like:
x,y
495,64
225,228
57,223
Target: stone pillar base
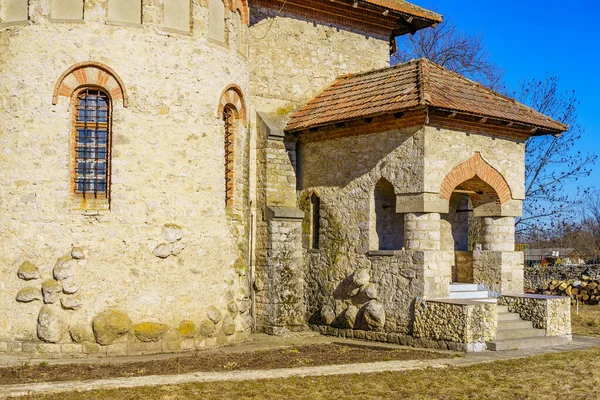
x,y
501,271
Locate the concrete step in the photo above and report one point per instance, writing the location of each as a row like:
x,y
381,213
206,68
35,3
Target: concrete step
x,y
469,294
502,309
519,333
514,324
508,316
463,287
527,343
485,300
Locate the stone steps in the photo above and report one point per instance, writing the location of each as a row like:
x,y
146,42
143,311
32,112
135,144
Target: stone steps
x,y
527,343
506,325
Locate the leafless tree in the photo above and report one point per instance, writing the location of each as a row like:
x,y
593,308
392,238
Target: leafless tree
x,y
454,49
551,162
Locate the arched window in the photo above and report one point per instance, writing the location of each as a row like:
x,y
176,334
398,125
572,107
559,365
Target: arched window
x,y
92,141
389,226
315,215
230,118
232,111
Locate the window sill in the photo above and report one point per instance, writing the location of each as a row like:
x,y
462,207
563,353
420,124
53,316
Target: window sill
x,y
81,204
383,253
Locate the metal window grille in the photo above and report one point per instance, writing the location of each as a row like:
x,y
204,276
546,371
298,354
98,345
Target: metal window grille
x,y
92,144
230,119
315,203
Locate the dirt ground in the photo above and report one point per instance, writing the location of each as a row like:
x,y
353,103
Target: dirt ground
x,y
212,361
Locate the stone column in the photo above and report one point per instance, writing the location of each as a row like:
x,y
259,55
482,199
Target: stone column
x,y
422,237
422,231
498,265
498,233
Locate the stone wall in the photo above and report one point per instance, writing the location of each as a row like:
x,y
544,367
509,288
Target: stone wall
x,y
167,158
450,148
293,59
551,313
469,325
500,271
535,277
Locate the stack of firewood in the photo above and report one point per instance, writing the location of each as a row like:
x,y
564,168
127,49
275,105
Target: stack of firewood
x,y
585,289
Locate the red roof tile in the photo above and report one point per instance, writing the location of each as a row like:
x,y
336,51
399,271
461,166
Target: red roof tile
x,y
407,8
415,84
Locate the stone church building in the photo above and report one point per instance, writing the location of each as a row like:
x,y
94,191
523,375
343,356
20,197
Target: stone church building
x,y
180,173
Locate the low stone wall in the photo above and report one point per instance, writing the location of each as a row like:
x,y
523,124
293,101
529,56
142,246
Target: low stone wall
x,y
551,313
471,325
395,338
535,277
30,349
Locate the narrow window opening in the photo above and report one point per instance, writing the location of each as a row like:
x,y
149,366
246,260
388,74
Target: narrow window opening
x,y
92,144
389,226
315,206
230,120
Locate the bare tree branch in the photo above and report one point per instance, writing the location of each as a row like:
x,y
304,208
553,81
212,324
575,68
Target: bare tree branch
x,y
456,50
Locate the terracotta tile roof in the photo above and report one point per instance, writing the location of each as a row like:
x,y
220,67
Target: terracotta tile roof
x,y
415,84
407,8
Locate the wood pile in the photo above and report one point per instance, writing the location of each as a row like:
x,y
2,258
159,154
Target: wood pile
x,y
585,289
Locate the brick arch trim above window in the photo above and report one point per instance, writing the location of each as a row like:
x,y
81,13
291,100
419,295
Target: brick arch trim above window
x,y
240,6
90,74
476,166
233,96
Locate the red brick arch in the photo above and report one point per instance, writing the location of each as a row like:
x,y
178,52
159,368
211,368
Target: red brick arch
x,y
90,73
240,6
474,167
233,96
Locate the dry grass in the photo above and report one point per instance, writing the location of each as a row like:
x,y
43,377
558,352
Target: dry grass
x,y
587,323
572,375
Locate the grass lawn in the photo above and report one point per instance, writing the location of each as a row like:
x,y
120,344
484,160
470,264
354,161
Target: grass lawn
x,y
572,375
587,323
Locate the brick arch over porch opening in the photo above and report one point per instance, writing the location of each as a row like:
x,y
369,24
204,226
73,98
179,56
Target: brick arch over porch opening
x,y
476,167
232,95
90,73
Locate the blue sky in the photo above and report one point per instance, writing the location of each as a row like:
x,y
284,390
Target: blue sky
x,y
529,38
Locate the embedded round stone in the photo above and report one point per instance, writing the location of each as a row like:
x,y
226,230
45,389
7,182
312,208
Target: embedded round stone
x,y
172,233
361,277
371,291
81,334
71,302
207,328
77,253
150,331
27,271
51,291
29,294
214,314
163,250
228,326
64,268
51,326
373,316
233,308
327,315
69,286
186,329
110,325
347,319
